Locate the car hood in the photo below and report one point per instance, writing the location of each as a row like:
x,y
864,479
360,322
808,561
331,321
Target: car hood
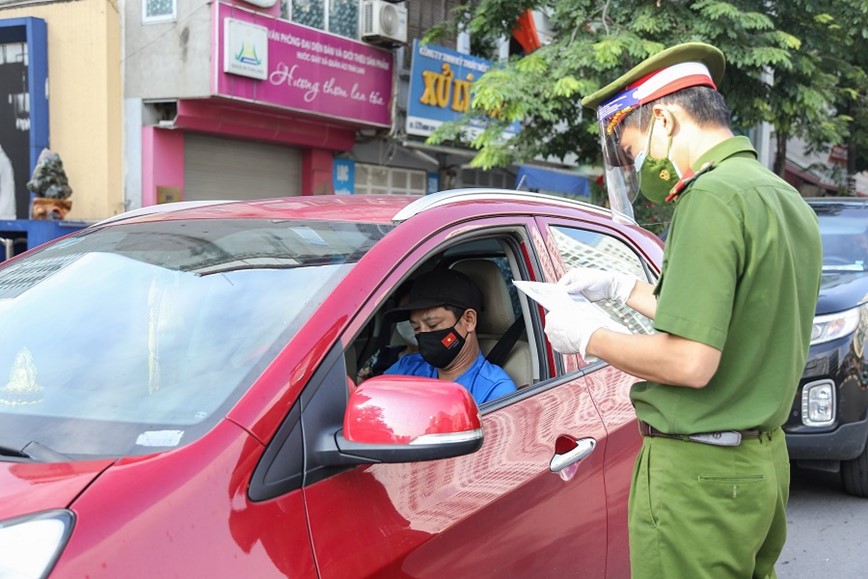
x,y
841,291
29,487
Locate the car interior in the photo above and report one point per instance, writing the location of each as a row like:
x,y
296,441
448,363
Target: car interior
x,y
504,323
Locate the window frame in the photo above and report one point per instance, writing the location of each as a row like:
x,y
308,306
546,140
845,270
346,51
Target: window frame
x,y
286,8
366,173
156,19
517,234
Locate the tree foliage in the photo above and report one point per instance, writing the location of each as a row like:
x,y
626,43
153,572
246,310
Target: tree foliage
x,y
797,64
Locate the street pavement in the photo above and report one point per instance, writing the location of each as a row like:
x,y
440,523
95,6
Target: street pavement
x,y
828,530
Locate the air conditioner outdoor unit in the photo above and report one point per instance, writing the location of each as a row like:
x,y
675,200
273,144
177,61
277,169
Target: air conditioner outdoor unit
x,y
384,22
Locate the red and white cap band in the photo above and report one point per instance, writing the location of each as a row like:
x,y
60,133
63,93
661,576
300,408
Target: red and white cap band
x,y
655,85
671,79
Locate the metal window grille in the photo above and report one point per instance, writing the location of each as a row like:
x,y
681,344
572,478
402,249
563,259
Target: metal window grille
x,y
157,10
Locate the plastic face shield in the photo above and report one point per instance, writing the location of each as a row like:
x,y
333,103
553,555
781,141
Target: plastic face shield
x,y
622,183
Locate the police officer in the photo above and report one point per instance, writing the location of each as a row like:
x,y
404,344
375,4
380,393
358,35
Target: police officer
x,y
732,310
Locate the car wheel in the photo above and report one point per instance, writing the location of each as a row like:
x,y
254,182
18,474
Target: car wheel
x,y
854,474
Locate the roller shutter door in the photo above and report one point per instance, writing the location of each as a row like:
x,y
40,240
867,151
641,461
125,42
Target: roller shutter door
x,y
217,168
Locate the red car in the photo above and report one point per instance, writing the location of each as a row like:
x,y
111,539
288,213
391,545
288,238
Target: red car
x,y
178,396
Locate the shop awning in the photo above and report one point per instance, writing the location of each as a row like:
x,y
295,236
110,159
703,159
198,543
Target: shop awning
x,y
544,180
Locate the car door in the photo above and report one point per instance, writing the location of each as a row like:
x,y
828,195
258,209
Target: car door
x,y
573,244
500,511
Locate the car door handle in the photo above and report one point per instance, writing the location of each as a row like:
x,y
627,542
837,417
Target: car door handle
x,y
583,448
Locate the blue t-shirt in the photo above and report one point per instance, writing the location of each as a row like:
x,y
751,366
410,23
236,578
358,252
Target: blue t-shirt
x,y
484,380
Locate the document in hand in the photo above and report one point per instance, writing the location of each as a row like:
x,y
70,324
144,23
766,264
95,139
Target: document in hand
x,y
551,296
554,297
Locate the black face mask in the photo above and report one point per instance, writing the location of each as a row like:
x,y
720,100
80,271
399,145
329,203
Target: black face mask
x,y
440,347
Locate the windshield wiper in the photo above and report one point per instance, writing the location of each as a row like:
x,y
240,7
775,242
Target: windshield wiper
x,y
34,451
9,451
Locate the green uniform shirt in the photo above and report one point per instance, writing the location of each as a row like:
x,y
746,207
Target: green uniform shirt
x,y
741,273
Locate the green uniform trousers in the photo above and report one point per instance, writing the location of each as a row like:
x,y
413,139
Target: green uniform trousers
x,y
700,511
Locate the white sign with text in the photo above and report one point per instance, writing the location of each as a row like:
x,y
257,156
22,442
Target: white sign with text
x,y
245,49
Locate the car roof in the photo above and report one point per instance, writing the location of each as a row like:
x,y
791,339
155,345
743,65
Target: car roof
x,y
458,196
372,208
353,208
849,201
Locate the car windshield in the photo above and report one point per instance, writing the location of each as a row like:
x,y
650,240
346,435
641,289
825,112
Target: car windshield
x,y
137,337
844,230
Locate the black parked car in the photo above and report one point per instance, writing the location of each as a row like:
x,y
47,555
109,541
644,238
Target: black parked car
x,y
828,425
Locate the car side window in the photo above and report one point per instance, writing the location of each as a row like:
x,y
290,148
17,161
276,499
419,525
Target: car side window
x,y
583,248
502,327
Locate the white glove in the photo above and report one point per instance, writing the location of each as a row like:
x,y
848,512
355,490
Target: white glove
x,y
570,329
596,284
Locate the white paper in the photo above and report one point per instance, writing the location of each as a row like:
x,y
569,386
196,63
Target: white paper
x,y
160,438
551,296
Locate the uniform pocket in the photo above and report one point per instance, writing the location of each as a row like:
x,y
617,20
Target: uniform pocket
x,y
641,507
729,485
649,485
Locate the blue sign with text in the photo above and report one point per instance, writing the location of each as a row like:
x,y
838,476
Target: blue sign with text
x,y
440,83
344,176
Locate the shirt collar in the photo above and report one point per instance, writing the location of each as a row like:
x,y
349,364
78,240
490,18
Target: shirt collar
x,y
730,147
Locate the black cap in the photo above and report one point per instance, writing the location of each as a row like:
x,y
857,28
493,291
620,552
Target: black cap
x,y
441,287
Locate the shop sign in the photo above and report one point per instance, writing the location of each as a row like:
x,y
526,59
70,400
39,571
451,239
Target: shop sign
x,y
245,49
440,88
344,176
309,71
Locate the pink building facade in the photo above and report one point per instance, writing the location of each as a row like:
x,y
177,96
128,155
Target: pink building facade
x,y
250,105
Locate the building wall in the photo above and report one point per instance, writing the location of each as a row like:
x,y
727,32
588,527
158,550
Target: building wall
x,y
84,99
168,59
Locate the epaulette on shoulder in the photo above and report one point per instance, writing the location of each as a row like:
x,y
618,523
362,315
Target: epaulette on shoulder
x,y
687,180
